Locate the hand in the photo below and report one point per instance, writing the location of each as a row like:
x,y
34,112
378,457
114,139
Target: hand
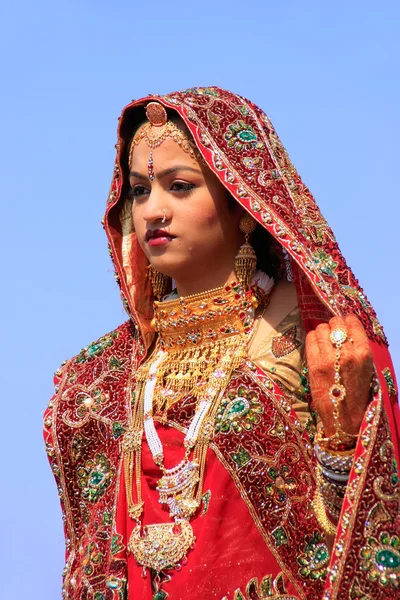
x,y
356,370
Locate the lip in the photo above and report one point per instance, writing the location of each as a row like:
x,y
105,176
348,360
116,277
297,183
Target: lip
x,y
158,237
159,241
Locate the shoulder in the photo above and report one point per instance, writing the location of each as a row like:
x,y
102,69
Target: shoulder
x,y
109,351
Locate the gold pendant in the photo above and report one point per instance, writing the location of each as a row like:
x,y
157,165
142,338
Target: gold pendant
x,y
161,545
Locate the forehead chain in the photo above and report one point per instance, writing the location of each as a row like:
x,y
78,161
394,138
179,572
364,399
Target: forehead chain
x,y
157,129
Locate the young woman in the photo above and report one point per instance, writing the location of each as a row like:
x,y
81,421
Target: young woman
x,y
238,435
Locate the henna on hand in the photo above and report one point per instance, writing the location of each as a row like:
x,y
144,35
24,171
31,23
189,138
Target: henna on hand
x,y
356,371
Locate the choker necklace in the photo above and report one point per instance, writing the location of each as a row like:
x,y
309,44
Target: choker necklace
x,y
202,339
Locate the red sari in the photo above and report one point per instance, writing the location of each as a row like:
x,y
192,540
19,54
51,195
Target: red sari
x,y
257,536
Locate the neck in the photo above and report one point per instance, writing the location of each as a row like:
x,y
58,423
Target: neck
x,y
194,284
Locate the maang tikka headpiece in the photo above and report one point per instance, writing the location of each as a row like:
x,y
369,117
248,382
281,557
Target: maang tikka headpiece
x,y
158,129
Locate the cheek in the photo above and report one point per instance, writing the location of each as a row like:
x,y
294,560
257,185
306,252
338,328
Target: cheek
x,y
206,217
138,227
212,219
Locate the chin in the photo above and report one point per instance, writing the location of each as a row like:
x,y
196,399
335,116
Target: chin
x,y
166,265
169,266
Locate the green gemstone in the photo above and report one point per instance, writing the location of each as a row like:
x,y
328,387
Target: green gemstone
x,y
118,430
321,555
247,136
160,595
92,350
238,407
96,478
388,559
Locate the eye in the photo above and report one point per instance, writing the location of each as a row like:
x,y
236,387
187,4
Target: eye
x,y
137,191
182,186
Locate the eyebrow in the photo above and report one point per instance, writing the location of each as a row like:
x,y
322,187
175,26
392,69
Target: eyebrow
x,y
165,172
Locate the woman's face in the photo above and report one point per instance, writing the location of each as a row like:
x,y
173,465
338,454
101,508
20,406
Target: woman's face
x,y
200,234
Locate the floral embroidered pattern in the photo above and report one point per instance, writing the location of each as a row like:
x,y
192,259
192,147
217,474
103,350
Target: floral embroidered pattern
x,y
314,559
95,477
239,134
325,263
96,348
239,410
281,484
91,558
90,402
381,560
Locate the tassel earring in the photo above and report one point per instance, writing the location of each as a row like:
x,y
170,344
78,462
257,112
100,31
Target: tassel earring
x,y
246,259
158,282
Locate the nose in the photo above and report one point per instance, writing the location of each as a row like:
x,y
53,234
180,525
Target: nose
x,y
156,207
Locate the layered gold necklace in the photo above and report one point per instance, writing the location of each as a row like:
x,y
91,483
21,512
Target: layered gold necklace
x,y
202,339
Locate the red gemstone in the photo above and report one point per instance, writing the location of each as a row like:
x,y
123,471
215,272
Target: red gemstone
x,y
177,529
336,392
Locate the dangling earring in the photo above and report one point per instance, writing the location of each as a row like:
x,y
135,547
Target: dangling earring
x,y
158,282
246,259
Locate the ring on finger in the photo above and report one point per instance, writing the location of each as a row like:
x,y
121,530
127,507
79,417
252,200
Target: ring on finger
x,y
338,336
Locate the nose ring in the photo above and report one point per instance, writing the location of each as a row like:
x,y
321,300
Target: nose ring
x,y
165,216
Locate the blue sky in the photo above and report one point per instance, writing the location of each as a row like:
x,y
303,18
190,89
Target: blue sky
x,y
327,74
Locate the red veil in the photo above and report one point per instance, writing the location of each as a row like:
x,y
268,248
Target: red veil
x,y
90,408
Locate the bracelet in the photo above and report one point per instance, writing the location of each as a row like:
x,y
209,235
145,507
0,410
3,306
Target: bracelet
x,y
339,478
338,462
330,494
321,516
332,509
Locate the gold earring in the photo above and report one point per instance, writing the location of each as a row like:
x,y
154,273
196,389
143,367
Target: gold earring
x,y
158,282
246,258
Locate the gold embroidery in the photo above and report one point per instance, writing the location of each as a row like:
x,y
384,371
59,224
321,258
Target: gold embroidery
x,y
389,381
285,343
267,589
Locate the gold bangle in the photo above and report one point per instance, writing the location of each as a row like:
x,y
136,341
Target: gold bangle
x,y
319,510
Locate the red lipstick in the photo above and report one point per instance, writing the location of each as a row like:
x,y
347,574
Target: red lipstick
x,y
158,237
